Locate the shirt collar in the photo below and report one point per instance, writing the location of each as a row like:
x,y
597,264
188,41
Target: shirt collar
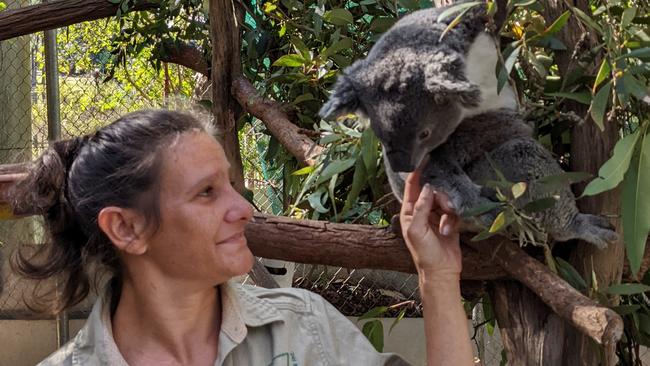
x,y
240,309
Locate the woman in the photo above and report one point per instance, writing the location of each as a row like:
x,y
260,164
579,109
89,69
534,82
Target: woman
x,y
148,199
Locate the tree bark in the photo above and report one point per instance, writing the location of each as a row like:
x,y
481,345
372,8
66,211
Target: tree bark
x,y
524,318
56,14
226,64
277,121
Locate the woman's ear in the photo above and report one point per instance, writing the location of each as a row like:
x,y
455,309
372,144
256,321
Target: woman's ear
x,y
125,227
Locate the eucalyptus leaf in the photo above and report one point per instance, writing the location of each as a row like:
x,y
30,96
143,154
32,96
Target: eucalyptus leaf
x,y
599,105
458,8
603,73
315,201
627,289
293,60
340,17
571,275
335,167
613,171
504,71
481,209
539,205
581,97
636,205
342,44
374,331
587,20
373,313
558,23
638,53
359,180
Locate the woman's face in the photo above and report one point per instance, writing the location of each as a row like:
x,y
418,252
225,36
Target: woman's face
x,y
202,218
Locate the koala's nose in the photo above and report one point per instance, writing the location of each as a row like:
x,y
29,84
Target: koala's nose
x,y
400,161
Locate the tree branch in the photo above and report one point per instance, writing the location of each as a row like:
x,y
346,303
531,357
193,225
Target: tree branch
x,y
270,112
185,55
56,14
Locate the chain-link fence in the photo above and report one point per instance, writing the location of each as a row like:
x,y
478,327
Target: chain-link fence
x,y
88,101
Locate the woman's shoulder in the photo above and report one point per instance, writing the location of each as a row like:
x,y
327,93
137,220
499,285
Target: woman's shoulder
x,y
60,357
284,298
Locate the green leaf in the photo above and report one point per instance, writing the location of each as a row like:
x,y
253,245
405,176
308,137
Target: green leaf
x,y
587,20
382,24
481,209
316,202
303,98
539,205
603,73
343,44
114,1
373,313
359,180
453,23
582,97
558,23
507,68
340,17
301,47
636,205
570,274
628,16
335,167
374,331
400,316
457,9
292,60
633,86
626,309
499,223
638,53
613,171
599,105
518,189
304,171
627,289
482,235
564,178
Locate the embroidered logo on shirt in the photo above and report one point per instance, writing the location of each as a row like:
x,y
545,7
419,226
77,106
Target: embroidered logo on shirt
x,y
284,359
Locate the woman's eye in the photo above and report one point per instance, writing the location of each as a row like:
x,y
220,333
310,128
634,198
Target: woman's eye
x,y
207,192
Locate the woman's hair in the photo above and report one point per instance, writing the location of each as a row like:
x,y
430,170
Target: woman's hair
x,y
119,165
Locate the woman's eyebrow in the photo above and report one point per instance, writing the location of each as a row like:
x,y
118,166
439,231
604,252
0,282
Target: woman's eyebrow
x,y
205,179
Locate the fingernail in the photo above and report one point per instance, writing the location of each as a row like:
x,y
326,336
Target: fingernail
x,y
446,230
451,205
427,189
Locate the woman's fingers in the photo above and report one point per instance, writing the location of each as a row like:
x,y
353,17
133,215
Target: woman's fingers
x,y
421,211
412,190
444,203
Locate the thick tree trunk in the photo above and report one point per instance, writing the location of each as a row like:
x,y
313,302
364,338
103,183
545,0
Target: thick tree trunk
x,y
226,65
57,14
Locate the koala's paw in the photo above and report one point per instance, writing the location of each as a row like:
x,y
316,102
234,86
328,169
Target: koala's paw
x,y
594,229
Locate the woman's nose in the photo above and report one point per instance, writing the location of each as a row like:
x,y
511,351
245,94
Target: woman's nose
x,y
240,209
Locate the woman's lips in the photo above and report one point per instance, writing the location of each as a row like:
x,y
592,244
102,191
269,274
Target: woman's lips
x,y
237,238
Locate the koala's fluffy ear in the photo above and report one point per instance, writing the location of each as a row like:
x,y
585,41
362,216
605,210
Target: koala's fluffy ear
x,y
344,99
445,76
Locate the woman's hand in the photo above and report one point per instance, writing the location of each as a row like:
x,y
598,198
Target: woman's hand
x,y
430,229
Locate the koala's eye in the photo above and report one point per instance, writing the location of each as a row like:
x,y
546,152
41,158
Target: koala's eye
x,y
424,134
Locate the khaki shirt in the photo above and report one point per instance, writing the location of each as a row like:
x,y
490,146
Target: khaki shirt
x,y
260,327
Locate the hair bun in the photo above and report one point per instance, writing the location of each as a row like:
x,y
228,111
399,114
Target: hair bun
x,y
44,186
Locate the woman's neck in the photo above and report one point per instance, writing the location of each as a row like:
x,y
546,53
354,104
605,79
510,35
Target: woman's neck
x,y
163,324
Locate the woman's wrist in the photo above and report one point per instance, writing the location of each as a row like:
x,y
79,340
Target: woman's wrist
x,y
439,280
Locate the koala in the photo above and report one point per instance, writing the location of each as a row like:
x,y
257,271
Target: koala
x,y
416,87
435,96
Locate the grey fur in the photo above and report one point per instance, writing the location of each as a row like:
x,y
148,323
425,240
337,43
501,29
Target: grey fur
x,y
413,87
409,79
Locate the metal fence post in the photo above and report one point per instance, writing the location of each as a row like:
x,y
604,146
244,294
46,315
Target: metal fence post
x,y
53,134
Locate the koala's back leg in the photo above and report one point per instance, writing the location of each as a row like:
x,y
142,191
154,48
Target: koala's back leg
x,y
591,228
524,159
